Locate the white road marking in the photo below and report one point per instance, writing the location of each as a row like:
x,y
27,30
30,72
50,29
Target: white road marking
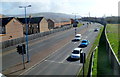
x,y
43,59
62,63
64,59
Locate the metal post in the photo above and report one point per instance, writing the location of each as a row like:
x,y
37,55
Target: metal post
x,y
23,58
75,31
83,64
28,59
26,37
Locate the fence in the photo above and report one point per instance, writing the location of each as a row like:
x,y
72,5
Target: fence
x,y
115,64
13,42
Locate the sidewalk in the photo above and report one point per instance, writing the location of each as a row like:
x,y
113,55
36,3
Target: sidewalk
x,y
103,65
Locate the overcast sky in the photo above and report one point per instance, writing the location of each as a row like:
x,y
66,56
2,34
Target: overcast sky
x,y
96,8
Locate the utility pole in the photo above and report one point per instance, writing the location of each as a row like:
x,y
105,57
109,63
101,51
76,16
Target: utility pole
x,y
25,7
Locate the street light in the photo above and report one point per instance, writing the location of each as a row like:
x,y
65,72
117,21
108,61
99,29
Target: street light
x,y
28,59
75,23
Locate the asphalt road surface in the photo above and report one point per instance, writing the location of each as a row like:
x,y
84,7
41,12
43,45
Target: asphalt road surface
x,y
53,53
60,63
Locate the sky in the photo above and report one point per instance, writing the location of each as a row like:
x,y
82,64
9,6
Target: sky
x,y
94,8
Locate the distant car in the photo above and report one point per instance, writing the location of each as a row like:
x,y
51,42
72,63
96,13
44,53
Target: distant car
x,y
84,43
76,53
96,30
77,37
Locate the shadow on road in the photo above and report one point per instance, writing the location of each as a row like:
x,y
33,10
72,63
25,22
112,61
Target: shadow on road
x,y
74,40
69,59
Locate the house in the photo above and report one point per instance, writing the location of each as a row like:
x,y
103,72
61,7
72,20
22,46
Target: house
x,y
61,22
10,28
35,24
51,24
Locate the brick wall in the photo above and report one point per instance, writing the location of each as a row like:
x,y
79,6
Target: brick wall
x,y
14,29
43,25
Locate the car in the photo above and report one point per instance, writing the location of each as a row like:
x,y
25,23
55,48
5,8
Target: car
x,y
84,43
76,53
96,30
77,37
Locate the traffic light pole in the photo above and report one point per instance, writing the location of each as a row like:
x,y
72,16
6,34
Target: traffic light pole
x,y
82,60
75,30
83,64
23,61
23,57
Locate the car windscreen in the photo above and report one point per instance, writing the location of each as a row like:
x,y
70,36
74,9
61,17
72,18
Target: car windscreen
x,y
77,36
75,52
84,41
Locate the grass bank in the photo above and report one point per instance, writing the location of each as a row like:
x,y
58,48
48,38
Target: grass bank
x,y
80,24
112,34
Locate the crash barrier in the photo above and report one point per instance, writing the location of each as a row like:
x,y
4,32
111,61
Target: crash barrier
x,y
16,41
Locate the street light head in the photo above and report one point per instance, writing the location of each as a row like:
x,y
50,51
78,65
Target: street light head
x,y
29,5
20,6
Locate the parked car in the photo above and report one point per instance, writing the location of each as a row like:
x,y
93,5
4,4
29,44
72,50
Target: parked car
x,y
76,53
77,37
84,43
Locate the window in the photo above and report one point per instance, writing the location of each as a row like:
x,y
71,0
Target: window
x,y
2,30
75,52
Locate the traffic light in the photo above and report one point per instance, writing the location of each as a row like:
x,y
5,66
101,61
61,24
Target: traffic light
x,y
82,57
24,48
19,49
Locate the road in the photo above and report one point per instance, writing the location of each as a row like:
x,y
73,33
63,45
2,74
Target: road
x,y
51,55
60,63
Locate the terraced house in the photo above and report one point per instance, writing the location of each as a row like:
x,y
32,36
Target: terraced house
x,y
10,28
35,24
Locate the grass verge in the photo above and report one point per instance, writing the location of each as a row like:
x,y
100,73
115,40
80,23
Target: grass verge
x,y
94,68
112,34
80,24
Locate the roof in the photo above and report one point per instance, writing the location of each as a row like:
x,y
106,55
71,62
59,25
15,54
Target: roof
x,y
84,40
78,35
4,21
77,48
58,20
32,20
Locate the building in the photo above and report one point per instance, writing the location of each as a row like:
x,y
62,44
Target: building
x,y
10,28
61,22
51,24
35,24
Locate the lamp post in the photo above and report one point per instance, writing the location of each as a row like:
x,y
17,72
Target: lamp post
x,y
75,23
28,59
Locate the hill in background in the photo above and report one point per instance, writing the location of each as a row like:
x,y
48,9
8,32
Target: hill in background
x,y
47,15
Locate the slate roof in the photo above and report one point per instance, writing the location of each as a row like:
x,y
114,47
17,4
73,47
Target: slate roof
x,y
57,20
32,20
4,21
